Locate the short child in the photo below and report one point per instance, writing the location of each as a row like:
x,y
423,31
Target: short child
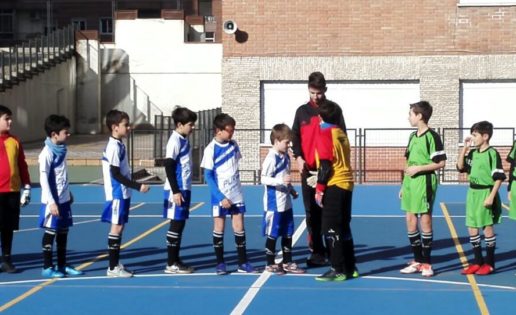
x,y
278,216
483,206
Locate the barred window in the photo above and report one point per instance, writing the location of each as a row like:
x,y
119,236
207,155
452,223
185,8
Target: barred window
x,y
6,21
106,25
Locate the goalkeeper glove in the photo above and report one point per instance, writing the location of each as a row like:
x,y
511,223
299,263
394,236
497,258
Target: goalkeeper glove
x,y
312,180
25,196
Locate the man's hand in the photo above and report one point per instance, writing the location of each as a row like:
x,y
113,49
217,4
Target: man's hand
x,y
319,198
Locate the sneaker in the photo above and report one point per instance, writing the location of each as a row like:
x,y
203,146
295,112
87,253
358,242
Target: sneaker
x,y
221,269
180,268
413,267
276,269
292,267
331,275
470,270
119,272
316,260
7,266
246,268
484,270
70,271
353,275
51,272
426,270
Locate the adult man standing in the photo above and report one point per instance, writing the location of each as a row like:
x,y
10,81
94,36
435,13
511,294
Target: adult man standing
x,y
305,130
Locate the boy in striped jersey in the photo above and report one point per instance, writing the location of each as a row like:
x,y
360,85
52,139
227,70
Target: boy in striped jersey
x,y
55,214
220,163
14,186
178,186
278,217
117,181
483,205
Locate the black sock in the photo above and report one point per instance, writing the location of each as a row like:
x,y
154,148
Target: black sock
x,y
218,246
477,249
61,242
114,242
6,237
46,243
270,250
174,241
427,247
241,247
415,242
286,248
490,250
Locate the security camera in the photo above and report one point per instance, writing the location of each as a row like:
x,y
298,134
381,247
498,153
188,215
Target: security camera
x,y
230,27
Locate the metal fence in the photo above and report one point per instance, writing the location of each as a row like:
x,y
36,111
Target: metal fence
x,y
377,155
20,62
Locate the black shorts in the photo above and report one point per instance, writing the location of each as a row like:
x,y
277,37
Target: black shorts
x,y
10,210
336,213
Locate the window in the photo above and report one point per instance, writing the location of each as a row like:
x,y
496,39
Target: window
x,y
6,21
79,24
486,2
106,26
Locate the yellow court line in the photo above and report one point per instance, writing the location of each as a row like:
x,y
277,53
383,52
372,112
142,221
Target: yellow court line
x,y
91,262
471,279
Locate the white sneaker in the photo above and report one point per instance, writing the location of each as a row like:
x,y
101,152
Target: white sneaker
x,y
426,270
413,267
119,272
179,268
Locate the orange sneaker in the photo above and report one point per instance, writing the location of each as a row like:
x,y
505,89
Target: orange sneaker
x,y
470,270
484,270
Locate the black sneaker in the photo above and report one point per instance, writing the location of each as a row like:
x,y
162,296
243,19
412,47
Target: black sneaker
x,y
8,267
316,260
331,275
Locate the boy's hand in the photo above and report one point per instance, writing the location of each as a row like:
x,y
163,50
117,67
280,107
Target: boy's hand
x,y
54,210
411,170
318,198
400,194
488,202
25,196
300,164
144,188
225,203
178,199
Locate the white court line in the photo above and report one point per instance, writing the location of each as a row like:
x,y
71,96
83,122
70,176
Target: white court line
x,y
204,274
255,287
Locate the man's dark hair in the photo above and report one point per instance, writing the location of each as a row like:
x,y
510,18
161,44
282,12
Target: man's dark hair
x,y
114,117
424,108
317,81
330,112
483,127
183,115
222,120
5,110
56,123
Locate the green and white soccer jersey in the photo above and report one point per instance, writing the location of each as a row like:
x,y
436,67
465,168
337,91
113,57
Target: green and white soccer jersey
x,y
418,192
511,158
484,168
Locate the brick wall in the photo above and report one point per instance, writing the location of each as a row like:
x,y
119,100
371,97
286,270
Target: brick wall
x,y
368,27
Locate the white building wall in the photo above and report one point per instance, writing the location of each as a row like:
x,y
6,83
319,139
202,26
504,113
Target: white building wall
x,y
151,58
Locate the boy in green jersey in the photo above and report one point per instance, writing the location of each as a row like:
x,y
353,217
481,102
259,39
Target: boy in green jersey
x,y
483,206
511,195
425,154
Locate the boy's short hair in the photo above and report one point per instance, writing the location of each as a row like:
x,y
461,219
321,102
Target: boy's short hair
x,y
316,80
424,108
56,123
330,112
5,110
114,117
183,115
222,120
483,127
280,132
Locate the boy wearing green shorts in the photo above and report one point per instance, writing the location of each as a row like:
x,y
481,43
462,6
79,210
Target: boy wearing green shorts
x,y
483,205
425,154
511,195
